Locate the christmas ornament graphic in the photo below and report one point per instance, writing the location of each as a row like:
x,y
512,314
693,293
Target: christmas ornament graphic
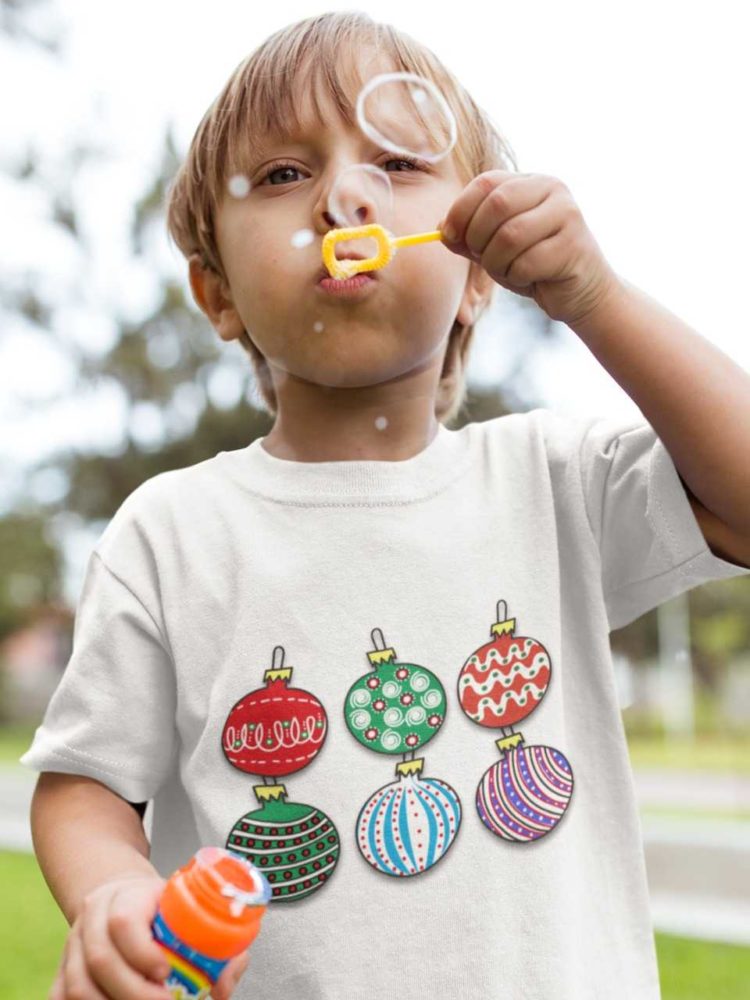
x,y
272,732
525,794
276,730
503,681
296,846
406,827
397,708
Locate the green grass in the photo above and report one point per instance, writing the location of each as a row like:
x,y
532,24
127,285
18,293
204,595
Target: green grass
x,y
15,740
702,754
33,932
701,970
671,812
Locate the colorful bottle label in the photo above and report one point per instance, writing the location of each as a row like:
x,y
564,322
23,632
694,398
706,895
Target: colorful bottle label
x,y
192,973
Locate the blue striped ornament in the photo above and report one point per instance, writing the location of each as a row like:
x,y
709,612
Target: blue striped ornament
x,y
406,827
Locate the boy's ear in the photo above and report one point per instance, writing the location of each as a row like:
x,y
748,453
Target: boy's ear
x,y
478,288
212,296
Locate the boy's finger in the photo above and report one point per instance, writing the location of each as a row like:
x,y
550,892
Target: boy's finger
x,y
523,198
78,982
57,990
461,211
106,965
130,915
229,978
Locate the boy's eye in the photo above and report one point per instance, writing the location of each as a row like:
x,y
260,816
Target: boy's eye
x,y
285,168
409,161
279,168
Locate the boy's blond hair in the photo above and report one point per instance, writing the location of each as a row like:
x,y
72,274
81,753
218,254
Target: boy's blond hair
x,y
258,98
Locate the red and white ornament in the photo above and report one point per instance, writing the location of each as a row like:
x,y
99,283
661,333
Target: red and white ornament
x,y
503,681
274,730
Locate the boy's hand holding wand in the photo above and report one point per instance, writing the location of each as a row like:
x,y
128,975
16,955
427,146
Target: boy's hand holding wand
x,y
528,233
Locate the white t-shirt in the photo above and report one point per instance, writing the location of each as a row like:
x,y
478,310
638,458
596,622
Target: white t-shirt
x,y
414,886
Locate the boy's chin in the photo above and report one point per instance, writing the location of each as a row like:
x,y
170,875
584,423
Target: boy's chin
x,y
355,374
363,364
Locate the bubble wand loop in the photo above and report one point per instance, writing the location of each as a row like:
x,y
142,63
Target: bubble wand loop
x,y
387,243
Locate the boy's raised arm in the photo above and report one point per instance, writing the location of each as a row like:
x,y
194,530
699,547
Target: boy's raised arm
x,y
84,834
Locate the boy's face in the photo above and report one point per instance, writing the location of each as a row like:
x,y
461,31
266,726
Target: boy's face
x,y
400,325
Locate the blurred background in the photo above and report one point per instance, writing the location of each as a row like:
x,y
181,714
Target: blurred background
x,y
109,374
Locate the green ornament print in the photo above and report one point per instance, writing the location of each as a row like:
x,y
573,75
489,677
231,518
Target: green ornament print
x,y
296,846
397,707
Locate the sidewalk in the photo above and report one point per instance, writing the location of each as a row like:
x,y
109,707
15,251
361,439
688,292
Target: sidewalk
x,y
692,789
16,786
699,877
698,869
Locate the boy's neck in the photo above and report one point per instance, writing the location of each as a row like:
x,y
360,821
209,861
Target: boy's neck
x,y
389,421
390,433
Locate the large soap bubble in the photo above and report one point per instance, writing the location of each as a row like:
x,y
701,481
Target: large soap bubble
x,y
406,113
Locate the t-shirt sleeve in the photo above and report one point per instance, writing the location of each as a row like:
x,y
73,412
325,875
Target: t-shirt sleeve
x,y
651,545
112,715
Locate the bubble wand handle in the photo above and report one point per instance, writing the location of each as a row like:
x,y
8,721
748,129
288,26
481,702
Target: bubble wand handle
x,y
410,241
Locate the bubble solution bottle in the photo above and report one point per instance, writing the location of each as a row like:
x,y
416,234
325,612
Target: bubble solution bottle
x,y
210,911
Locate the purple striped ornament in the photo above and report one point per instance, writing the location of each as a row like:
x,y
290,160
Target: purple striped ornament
x,y
524,795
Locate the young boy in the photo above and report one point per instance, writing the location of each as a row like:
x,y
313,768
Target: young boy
x,y
360,511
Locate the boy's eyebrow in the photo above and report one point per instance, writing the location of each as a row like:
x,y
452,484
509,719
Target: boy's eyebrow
x,y
307,139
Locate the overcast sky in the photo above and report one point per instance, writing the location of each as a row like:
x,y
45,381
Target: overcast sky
x,y
641,108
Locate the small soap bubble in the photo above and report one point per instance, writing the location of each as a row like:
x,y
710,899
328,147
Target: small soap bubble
x,y
303,238
318,327
381,423
238,186
360,195
406,113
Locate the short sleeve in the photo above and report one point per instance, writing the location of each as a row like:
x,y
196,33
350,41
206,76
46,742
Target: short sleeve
x,y
651,545
112,715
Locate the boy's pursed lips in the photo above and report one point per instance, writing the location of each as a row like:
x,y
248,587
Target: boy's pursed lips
x,y
323,273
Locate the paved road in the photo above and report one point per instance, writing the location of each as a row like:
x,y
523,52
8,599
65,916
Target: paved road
x,y
16,786
699,789
698,870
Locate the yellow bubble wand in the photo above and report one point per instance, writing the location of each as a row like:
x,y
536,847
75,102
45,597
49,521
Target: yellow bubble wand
x,y
387,243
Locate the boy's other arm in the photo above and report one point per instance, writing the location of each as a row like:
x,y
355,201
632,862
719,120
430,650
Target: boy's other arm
x,y
84,834
723,542
695,397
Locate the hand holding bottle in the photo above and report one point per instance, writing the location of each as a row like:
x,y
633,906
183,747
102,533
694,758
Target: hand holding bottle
x,y
147,938
109,951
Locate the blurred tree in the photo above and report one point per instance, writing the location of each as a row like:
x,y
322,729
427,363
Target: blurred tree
x,y
30,21
31,567
720,627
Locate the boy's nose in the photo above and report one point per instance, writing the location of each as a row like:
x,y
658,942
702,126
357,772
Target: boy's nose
x,y
360,216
